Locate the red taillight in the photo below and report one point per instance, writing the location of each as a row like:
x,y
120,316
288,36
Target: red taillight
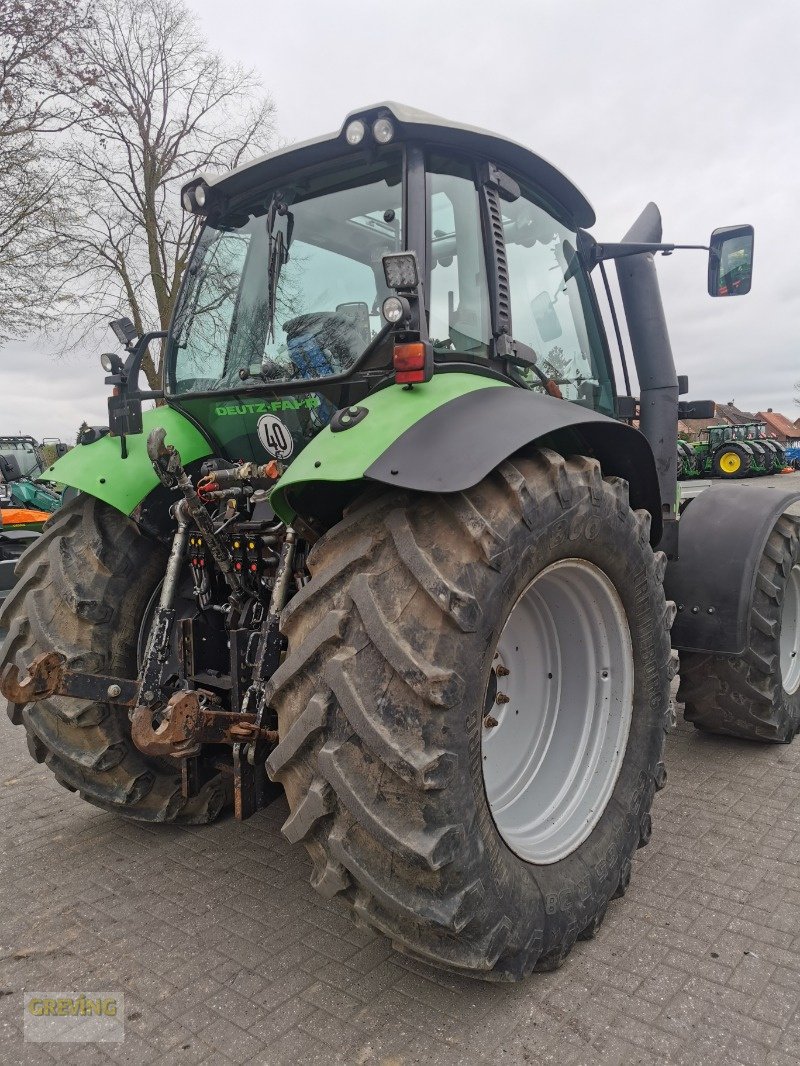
x,y
409,363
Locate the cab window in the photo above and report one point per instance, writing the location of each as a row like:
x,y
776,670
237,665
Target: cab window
x,y
459,296
552,311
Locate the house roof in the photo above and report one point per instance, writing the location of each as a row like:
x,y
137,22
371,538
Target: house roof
x,y
778,423
736,417
696,426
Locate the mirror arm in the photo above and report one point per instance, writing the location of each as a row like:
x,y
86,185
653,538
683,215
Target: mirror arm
x,y
603,252
594,252
133,364
128,377
125,402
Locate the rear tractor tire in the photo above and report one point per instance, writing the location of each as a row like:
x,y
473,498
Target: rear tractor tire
x,y
472,712
82,590
762,457
755,695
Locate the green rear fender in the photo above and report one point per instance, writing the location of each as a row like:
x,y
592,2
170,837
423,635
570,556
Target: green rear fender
x,y
99,469
346,456
447,435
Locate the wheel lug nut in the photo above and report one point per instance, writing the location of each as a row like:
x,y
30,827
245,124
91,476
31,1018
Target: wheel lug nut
x,y
489,722
502,671
501,698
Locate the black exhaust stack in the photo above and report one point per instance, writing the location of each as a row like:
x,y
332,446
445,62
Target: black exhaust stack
x,y
655,366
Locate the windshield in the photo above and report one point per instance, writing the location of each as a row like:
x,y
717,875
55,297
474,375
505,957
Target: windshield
x,y
294,292
25,455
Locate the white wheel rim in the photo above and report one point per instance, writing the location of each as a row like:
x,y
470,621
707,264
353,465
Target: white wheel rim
x,y
564,660
790,633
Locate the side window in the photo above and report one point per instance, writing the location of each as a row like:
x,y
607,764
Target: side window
x,y
551,309
459,303
206,325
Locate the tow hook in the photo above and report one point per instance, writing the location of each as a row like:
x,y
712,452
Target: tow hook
x,y
189,720
48,676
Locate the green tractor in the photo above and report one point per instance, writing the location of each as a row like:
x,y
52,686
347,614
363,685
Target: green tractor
x,y
690,460
22,461
390,545
773,452
731,452
25,505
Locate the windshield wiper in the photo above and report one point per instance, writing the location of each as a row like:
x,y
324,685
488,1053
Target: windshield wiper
x,y
277,255
183,322
276,261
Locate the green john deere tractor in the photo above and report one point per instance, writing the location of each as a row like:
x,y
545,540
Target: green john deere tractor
x,y
391,545
773,453
731,452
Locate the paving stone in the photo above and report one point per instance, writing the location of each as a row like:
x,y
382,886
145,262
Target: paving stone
x,y
226,955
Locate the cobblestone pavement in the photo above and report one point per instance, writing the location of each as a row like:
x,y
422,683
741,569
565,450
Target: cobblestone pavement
x,y
225,954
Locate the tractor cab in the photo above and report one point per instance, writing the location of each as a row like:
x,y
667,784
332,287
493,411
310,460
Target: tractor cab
x,y
21,464
19,458
399,248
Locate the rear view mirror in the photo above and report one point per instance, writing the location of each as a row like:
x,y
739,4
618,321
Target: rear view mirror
x,y
696,408
730,261
9,469
545,316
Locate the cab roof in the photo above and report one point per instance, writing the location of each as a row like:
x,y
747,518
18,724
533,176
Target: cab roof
x,y
410,124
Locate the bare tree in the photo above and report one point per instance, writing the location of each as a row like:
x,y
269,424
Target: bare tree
x,y
42,66
163,106
42,76
30,250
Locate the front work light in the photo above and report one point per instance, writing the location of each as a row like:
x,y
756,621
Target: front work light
x,y
111,363
382,130
354,134
395,309
195,198
401,271
124,330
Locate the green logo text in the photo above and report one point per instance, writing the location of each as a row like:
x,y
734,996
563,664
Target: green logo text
x,y
262,407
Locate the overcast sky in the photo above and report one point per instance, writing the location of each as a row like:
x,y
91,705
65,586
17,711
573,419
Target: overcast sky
x,y
692,103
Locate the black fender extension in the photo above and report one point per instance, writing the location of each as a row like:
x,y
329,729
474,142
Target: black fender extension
x,y
723,533
457,445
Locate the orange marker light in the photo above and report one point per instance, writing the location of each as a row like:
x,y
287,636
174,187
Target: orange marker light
x,y
409,362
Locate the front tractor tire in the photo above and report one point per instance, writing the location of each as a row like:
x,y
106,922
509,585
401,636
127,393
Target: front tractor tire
x,y
413,626
82,590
